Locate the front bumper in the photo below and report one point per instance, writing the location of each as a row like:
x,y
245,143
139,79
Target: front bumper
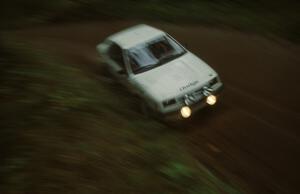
x,y
175,115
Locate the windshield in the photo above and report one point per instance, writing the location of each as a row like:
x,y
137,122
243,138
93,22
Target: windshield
x,y
154,53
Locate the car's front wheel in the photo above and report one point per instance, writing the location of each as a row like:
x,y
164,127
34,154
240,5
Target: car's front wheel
x,y
145,109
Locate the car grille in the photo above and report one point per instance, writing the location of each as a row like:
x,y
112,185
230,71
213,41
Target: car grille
x,y
199,92
169,102
213,81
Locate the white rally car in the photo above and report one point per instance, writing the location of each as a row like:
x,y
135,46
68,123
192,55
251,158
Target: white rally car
x,y
170,79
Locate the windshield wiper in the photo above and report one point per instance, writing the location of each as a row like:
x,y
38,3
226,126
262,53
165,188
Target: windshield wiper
x,y
170,57
145,68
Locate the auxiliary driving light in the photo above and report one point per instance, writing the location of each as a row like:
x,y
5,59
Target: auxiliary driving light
x,y
211,99
185,112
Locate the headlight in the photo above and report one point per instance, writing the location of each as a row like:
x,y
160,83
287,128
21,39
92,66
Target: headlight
x,y
211,99
185,112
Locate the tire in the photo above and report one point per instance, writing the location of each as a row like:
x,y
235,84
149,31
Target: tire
x,y
145,110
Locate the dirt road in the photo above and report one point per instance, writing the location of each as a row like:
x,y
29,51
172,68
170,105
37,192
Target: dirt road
x,y
252,137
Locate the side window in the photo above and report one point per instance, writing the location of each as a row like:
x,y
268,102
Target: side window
x,y
115,53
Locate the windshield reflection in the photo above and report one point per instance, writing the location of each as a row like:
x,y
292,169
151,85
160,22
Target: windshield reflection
x,y
154,53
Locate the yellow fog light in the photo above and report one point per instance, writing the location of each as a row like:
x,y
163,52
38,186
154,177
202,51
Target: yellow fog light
x,y
211,99
185,112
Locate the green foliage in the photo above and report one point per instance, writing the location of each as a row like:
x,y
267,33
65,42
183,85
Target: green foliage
x,y
62,131
177,171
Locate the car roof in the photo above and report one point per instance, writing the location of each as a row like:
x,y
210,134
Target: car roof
x,y
132,36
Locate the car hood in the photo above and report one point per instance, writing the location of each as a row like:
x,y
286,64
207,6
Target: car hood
x,y
175,78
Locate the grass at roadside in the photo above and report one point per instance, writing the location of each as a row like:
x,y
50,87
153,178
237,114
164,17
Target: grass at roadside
x,y
62,131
